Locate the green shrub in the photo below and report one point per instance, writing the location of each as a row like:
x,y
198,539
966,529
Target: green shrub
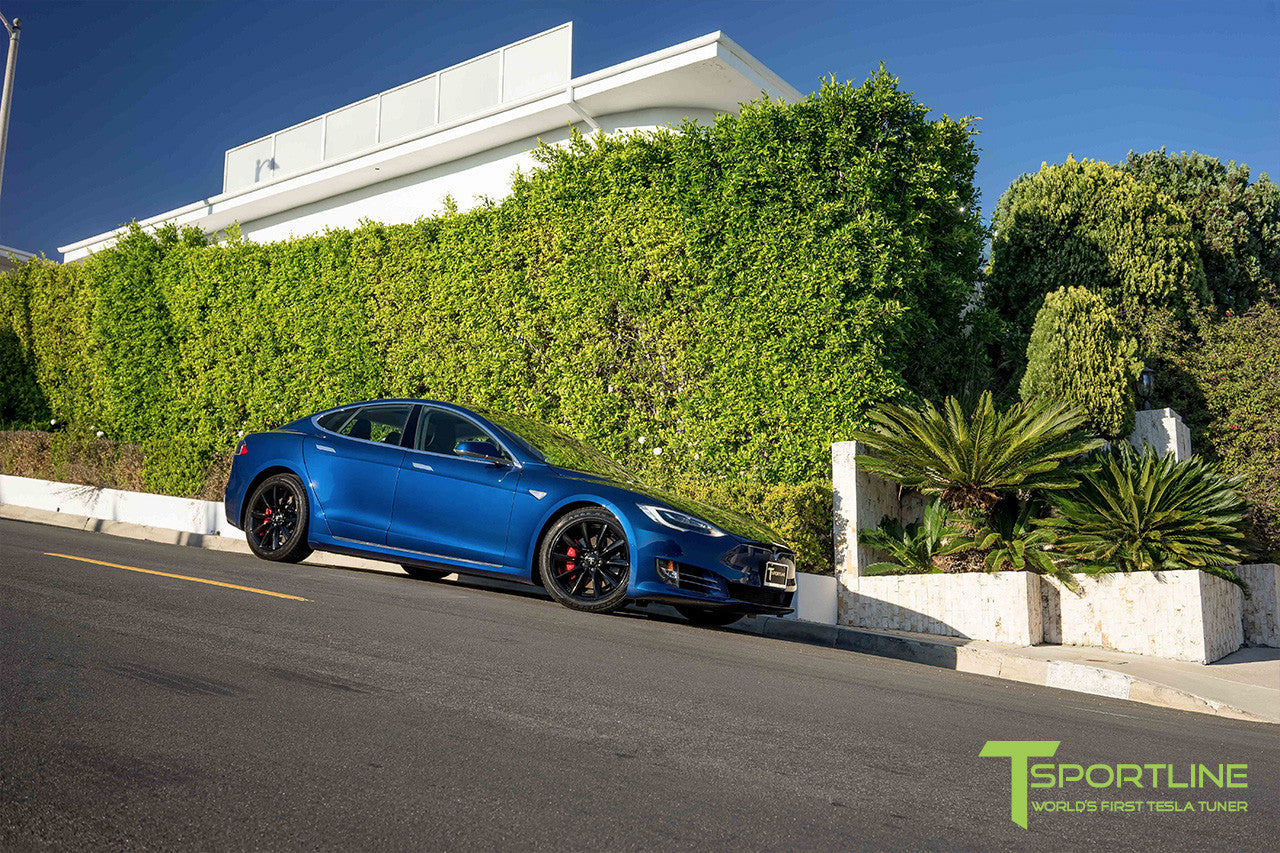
x,y
801,514
1143,512
734,297
916,548
1079,355
1087,224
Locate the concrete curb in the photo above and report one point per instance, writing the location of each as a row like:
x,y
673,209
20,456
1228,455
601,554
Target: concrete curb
x,y
943,652
956,654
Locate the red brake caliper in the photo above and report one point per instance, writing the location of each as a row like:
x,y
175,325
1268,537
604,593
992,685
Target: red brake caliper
x,y
571,564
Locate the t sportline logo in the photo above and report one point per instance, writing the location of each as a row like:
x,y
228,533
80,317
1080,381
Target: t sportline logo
x,y
1023,775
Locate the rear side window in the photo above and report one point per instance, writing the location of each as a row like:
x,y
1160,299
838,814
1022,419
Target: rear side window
x,y
334,420
382,423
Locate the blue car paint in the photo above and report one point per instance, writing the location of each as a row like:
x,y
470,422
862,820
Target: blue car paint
x,y
539,493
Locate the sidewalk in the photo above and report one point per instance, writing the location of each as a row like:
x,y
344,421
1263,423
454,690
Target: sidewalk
x,y
1243,685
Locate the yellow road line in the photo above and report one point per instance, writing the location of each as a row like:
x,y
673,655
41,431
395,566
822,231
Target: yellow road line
x,y
179,577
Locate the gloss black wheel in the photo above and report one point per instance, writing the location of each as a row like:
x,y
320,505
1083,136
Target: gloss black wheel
x,y
276,524
585,561
709,617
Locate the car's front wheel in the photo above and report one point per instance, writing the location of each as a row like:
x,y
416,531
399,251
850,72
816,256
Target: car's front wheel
x,y
585,561
276,524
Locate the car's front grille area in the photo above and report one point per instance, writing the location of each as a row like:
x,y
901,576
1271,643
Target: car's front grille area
x,y
759,595
705,583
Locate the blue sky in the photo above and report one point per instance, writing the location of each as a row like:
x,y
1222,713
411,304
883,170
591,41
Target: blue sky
x,y
123,110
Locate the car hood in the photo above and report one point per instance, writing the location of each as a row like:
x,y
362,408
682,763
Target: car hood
x,y
727,520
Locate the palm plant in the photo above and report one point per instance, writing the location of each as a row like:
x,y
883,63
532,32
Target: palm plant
x,y
1011,540
915,548
1144,512
968,460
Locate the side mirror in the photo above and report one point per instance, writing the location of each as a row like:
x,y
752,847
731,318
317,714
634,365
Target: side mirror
x,y
480,450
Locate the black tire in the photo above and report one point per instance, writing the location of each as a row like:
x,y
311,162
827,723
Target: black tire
x,y
708,617
424,574
585,561
275,524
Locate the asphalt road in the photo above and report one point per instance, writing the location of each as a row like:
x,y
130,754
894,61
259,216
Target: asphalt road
x,y
139,711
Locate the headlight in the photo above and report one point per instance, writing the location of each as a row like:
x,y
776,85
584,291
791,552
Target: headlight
x,y
679,520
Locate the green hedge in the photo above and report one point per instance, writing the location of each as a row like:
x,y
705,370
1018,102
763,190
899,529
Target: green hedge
x,y
706,304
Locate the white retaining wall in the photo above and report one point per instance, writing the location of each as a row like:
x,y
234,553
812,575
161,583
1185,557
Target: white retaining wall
x,y
1003,607
1180,615
182,514
1262,609
815,599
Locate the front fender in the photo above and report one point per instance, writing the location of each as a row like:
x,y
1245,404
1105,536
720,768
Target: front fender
x,y
530,555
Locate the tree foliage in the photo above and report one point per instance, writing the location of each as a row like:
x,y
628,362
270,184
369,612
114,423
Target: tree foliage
x,y
1079,354
1227,377
1235,222
1087,224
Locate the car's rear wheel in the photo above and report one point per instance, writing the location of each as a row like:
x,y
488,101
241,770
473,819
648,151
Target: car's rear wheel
x,y
424,574
585,561
709,617
276,524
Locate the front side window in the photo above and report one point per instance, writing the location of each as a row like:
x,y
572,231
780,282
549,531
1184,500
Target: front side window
x,y
440,432
382,423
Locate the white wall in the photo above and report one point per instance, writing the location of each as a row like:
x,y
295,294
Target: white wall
x,y
409,197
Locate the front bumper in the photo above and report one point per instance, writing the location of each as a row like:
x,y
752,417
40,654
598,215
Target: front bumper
x,y
721,573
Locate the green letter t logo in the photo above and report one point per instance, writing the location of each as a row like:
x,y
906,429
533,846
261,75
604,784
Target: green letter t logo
x,y
1018,751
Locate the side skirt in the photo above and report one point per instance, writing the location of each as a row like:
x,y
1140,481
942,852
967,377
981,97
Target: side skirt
x,y
386,554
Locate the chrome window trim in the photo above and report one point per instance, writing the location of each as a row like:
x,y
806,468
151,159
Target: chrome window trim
x,y
315,421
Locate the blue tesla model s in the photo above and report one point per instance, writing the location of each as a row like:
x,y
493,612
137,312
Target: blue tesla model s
x,y
439,489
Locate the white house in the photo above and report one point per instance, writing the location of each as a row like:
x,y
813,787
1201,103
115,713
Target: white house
x,y
460,132
11,257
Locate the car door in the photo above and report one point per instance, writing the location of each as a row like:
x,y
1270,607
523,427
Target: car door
x,y
354,468
448,505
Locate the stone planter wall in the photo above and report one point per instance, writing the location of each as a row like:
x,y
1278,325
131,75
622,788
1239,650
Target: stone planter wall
x,y
1262,609
1182,615
1002,607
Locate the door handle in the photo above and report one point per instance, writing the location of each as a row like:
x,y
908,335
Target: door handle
x,y
326,448
422,466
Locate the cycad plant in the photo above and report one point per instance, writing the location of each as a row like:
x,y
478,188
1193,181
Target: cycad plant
x,y
969,460
915,548
1012,541
1144,512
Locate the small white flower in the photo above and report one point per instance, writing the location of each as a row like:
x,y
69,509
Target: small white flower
x,y
697,456
53,422
240,434
98,433
642,439
657,451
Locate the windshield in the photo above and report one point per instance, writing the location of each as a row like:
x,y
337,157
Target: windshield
x,y
557,448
